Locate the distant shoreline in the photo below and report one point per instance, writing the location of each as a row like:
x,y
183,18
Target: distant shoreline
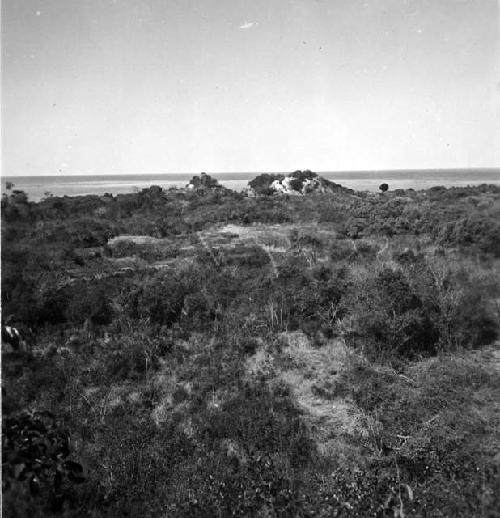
x,y
350,172
38,187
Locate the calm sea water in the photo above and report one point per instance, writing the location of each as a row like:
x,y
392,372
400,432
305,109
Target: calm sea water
x,y
39,186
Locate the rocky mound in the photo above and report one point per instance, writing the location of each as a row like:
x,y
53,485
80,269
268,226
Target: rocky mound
x,y
296,183
204,182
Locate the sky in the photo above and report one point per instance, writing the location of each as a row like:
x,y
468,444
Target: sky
x,y
159,86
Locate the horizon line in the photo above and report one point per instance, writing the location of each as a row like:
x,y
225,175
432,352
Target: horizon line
x,y
393,170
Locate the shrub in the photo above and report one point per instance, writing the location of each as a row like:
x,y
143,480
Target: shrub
x,y
341,250
243,256
388,318
88,303
457,302
476,230
394,314
366,250
161,299
132,358
36,470
262,184
89,232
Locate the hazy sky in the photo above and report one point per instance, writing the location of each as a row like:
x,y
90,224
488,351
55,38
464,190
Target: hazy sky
x,y
117,86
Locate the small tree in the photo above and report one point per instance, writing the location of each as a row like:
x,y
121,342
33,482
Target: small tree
x,y
384,187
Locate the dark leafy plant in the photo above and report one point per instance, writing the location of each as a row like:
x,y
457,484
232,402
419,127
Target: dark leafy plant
x,y
35,453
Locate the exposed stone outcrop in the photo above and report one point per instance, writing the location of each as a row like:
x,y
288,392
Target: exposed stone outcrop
x,y
297,183
204,182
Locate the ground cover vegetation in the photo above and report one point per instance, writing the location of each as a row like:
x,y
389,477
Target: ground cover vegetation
x,y
200,352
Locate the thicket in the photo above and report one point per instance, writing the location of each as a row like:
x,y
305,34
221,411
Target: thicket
x,y
144,367
465,217
426,435
417,310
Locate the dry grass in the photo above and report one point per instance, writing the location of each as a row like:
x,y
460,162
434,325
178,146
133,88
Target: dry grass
x,y
138,240
310,373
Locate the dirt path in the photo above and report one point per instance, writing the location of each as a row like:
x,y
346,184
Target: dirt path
x,y
266,249
383,249
495,357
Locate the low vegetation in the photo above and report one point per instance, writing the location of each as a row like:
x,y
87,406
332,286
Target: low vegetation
x,y
200,352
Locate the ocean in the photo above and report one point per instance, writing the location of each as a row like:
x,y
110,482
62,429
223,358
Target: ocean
x,y
38,187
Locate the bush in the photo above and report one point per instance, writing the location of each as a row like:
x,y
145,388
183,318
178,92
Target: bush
x,y
458,302
341,250
87,232
160,299
394,314
262,184
89,304
129,358
36,470
388,318
476,231
242,256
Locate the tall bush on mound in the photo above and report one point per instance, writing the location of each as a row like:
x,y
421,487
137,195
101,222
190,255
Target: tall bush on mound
x,y
262,184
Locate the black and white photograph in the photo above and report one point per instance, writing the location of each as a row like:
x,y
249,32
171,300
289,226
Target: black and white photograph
x,y
250,258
